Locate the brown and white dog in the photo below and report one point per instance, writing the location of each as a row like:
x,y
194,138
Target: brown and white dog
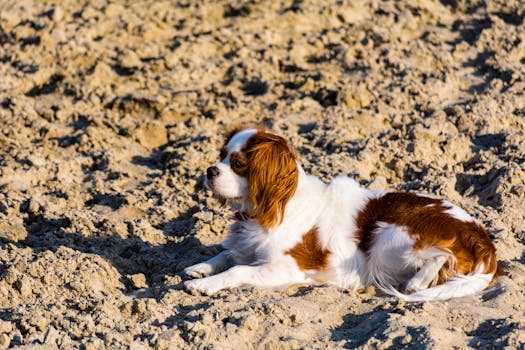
x,y
292,228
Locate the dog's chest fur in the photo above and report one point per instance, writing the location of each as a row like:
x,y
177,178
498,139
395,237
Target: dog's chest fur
x,y
312,223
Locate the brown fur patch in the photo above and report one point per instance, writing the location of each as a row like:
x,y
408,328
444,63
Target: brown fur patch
x,y
272,176
425,220
239,163
308,253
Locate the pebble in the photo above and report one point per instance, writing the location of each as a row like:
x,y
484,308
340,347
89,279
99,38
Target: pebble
x,y
205,216
129,59
5,341
139,306
407,339
249,322
77,286
5,326
11,276
138,281
23,285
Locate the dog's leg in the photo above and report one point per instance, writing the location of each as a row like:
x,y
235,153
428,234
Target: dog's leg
x,y
426,274
264,276
217,264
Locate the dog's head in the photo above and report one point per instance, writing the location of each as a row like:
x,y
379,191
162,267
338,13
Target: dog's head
x,y
257,169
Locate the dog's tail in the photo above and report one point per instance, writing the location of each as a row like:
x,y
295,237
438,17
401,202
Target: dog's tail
x,y
456,287
474,284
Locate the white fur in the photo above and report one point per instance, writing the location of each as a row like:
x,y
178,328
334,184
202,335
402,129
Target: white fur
x,y
390,261
261,259
456,287
228,184
457,212
453,210
217,264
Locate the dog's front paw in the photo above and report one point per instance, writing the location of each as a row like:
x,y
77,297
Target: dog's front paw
x,y
199,270
203,285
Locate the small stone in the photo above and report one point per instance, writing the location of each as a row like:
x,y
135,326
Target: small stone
x,y
358,97
138,280
4,293
41,323
250,323
130,60
13,231
172,280
139,307
37,161
205,216
76,285
370,291
5,326
131,199
125,309
23,285
34,207
11,276
102,74
5,340
407,339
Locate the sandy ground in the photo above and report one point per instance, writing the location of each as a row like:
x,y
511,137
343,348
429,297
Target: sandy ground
x,y
111,111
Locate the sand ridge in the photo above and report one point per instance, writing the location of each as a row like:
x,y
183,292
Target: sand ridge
x,y
112,110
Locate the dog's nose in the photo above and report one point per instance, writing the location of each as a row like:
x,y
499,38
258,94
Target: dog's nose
x,y
212,172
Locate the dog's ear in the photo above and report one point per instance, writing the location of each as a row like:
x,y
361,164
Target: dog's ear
x,y
272,177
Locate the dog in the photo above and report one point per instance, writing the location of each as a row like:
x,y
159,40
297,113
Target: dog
x,y
291,228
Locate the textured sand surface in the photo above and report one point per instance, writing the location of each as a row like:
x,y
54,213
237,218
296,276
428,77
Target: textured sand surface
x,y
111,111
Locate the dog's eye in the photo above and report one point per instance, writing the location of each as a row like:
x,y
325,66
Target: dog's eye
x,y
236,163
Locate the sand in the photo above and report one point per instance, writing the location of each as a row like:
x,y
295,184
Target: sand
x,y
112,110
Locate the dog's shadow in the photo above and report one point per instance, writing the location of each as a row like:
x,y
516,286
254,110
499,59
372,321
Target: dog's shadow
x,y
130,255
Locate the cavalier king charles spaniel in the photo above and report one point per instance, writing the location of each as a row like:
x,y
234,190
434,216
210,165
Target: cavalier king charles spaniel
x,y
290,227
